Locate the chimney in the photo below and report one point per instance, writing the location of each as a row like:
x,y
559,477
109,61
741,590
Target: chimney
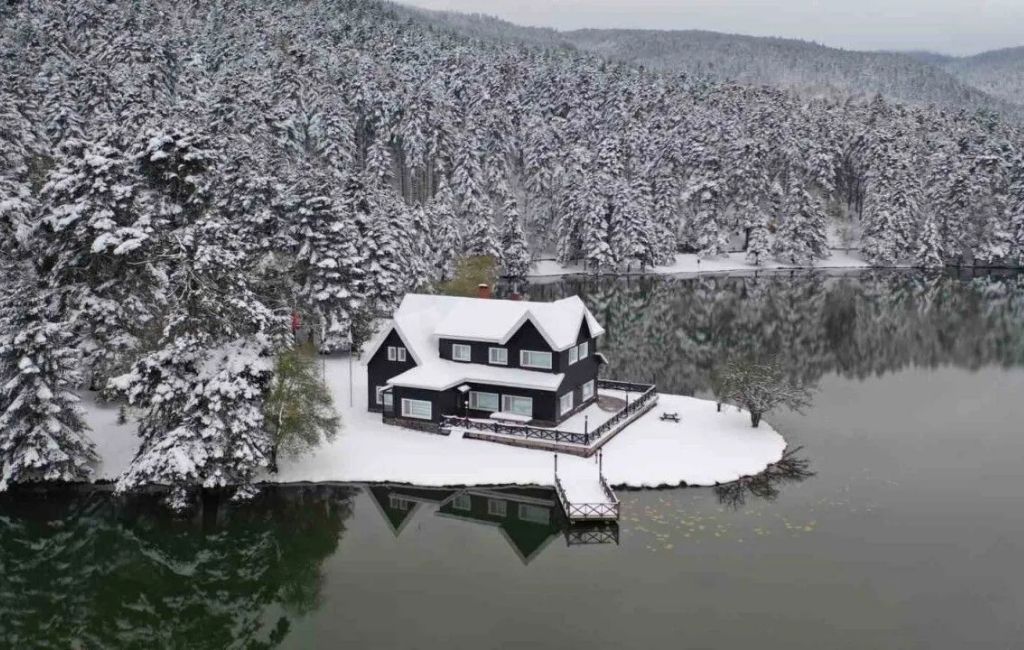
x,y
483,291
515,295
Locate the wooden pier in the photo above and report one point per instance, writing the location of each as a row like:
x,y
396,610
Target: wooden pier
x,y
587,498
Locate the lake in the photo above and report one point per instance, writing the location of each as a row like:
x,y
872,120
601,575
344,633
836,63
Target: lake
x,y
900,524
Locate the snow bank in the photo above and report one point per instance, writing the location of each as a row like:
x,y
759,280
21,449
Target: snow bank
x,y
690,264
704,448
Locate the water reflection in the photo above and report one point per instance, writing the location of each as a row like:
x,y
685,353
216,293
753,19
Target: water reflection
x,y
676,330
85,569
792,468
528,518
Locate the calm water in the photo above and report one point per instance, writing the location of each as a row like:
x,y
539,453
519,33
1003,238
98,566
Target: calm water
x,y
909,534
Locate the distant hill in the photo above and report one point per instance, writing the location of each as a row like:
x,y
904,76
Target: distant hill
x,y
799,65
999,73
988,81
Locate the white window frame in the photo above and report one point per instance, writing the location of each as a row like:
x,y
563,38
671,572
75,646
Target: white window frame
x,y
389,401
392,353
462,346
497,507
407,406
584,350
396,502
588,390
401,354
502,352
508,400
562,408
380,395
474,401
462,502
525,356
574,355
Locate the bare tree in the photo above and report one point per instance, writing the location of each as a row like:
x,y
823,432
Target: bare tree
x,y
758,386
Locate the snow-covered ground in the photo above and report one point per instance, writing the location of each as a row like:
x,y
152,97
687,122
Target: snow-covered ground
x,y
687,263
705,448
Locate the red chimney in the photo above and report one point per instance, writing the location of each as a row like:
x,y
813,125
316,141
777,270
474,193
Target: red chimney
x,y
483,291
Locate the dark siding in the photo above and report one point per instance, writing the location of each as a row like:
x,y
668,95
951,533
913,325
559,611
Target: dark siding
x,y
444,402
527,338
580,372
379,370
544,407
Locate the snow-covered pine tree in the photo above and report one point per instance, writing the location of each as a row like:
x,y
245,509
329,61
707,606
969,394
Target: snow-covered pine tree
x,y
481,237
43,435
331,264
929,243
1016,209
97,246
446,242
801,237
758,243
515,253
201,388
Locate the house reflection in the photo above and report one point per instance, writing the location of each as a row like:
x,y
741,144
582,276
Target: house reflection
x,y
529,518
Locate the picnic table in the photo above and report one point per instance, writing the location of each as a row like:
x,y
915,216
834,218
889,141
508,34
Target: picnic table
x,y
673,417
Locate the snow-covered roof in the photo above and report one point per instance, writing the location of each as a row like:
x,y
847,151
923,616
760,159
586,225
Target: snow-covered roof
x,y
441,374
422,319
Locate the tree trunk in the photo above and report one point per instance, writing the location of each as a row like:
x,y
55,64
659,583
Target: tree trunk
x,y
755,419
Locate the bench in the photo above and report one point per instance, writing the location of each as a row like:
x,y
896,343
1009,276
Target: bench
x,y
510,417
669,417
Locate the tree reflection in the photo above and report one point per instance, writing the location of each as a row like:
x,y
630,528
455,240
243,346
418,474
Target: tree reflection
x,y
87,569
676,330
791,468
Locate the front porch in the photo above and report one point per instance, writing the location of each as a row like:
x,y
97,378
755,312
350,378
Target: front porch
x,y
617,405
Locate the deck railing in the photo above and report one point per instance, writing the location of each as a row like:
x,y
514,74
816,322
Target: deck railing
x,y
647,392
606,511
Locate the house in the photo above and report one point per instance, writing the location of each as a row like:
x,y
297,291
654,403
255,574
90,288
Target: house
x,y
485,358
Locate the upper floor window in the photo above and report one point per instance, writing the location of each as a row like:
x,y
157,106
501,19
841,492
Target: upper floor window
x,y
461,352
588,390
584,349
396,353
574,354
498,356
535,359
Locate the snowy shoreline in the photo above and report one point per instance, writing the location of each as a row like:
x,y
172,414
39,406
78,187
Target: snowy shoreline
x,y
706,448
686,264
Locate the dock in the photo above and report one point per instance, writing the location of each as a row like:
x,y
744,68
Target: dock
x,y
585,495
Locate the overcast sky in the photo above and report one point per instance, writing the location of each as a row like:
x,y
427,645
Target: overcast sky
x,y
948,26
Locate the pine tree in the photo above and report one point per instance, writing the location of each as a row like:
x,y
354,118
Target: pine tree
x,y
801,237
43,435
331,263
929,244
446,242
758,243
515,254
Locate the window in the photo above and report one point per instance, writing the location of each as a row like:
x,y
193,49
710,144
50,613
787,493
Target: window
x,y
401,354
483,401
565,403
380,394
498,356
462,502
534,514
588,390
517,405
534,359
461,352
417,408
392,353
497,507
574,355
584,349
389,401
398,503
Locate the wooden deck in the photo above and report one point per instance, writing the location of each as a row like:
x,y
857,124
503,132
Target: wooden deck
x,y
586,498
